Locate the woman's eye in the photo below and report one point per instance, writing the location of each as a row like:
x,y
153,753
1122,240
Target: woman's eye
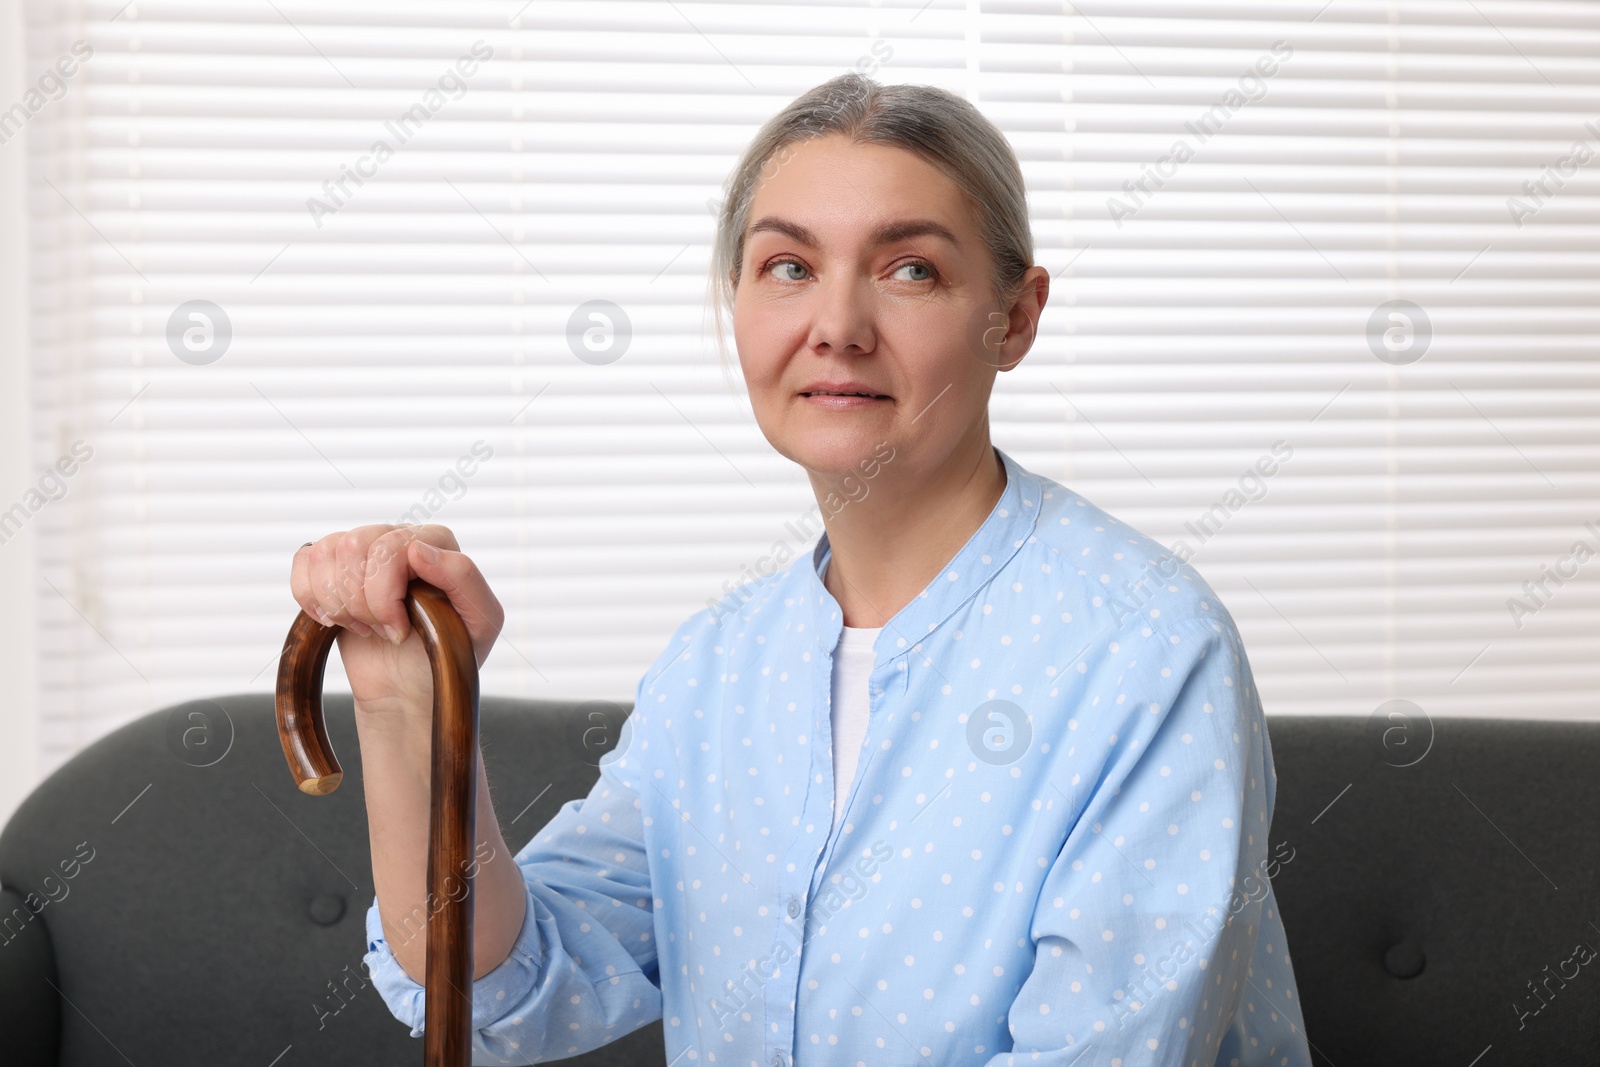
x,y
927,273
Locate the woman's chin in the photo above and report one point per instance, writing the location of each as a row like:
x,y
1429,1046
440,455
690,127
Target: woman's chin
x,y
838,451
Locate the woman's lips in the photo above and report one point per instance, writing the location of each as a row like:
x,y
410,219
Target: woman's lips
x,y
841,403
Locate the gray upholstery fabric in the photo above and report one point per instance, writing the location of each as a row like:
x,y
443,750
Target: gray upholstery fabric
x,y
219,910
1477,862
219,907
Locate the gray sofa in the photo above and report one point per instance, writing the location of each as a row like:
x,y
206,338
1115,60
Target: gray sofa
x,y
189,907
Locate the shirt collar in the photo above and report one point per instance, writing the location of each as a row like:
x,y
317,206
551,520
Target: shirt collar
x,y
1009,526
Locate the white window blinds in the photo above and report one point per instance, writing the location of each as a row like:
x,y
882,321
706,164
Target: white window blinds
x,y
299,267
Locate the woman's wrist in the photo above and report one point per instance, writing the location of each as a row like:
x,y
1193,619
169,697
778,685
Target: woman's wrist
x,y
387,732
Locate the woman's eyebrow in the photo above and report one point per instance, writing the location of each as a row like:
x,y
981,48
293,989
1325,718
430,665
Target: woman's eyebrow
x,y
895,230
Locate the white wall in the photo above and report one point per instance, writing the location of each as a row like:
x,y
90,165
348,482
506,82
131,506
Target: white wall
x,y
19,748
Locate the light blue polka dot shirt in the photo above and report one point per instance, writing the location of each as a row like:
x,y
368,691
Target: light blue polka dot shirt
x,y
1054,851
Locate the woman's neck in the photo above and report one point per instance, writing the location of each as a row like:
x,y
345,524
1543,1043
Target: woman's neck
x,y
889,544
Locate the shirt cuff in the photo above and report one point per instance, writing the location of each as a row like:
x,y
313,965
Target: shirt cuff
x,y
493,995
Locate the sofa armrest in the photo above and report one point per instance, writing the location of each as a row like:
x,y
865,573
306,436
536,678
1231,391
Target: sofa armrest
x,y
30,1008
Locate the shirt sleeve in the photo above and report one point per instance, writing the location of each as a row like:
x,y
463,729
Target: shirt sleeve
x,y
583,970
1146,924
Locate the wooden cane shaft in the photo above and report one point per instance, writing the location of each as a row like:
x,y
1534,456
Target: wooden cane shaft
x,y
453,793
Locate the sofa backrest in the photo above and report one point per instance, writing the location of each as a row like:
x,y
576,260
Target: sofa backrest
x,y
1440,885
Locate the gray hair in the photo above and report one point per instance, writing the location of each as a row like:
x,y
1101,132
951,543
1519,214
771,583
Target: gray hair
x,y
935,124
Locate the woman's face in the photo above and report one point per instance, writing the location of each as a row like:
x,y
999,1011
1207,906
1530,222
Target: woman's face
x,y
863,270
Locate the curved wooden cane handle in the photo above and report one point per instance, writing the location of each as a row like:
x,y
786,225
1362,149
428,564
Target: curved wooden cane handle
x,y
452,818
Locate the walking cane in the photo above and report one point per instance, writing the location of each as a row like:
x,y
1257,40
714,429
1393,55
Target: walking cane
x,y
447,1027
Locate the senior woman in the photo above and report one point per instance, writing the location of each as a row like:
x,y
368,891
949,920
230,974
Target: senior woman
x,y
981,779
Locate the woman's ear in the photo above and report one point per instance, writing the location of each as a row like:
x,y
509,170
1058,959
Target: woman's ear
x,y
1022,324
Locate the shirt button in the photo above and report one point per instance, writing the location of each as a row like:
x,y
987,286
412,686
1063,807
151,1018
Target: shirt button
x,y
777,1059
794,907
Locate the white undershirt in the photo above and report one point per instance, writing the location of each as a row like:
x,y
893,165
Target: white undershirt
x,y
852,666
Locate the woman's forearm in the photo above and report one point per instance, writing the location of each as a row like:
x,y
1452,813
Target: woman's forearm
x,y
395,749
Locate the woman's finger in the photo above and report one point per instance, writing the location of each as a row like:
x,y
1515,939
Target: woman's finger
x,y
389,576
300,582
458,577
348,579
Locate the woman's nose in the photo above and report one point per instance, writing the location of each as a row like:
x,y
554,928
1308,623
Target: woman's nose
x,y
842,316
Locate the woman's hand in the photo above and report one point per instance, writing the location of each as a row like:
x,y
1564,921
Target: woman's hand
x,y
357,579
